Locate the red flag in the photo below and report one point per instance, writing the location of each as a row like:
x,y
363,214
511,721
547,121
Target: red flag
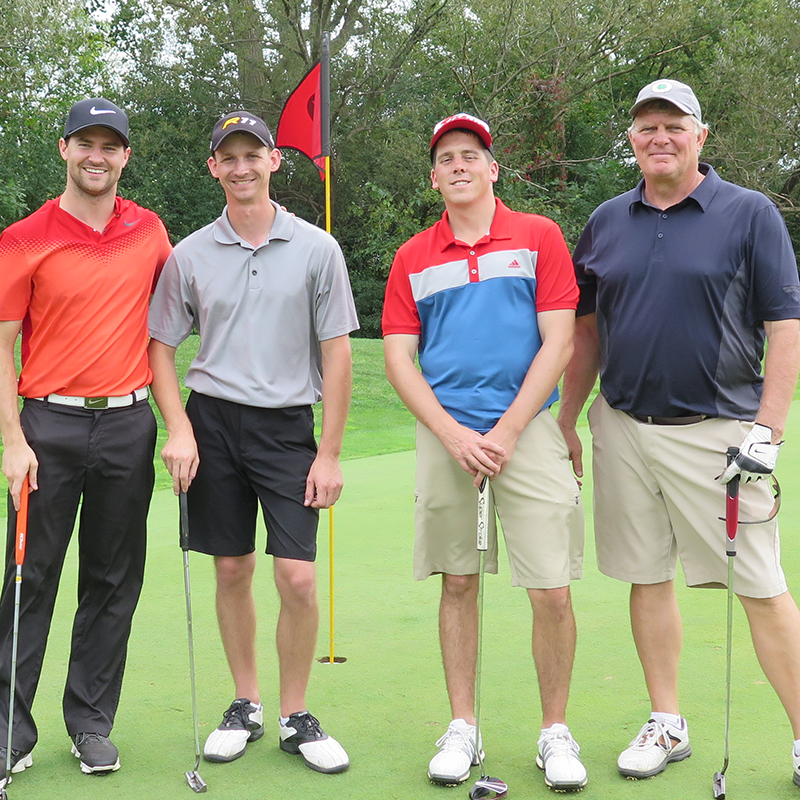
x,y
300,124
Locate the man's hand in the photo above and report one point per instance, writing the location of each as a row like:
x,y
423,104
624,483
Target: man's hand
x,y
575,448
475,454
324,482
19,461
757,456
181,458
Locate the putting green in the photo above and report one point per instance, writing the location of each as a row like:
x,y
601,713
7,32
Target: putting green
x,y
387,702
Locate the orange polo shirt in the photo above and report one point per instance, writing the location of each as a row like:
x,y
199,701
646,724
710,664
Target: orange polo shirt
x,y
83,298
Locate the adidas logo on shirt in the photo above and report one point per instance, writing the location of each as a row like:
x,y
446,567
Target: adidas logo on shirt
x,y
514,265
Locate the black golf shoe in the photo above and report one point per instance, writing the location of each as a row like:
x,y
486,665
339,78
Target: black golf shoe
x,y
96,752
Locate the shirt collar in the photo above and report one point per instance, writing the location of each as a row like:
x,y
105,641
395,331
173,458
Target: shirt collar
x,y
703,193
499,229
282,228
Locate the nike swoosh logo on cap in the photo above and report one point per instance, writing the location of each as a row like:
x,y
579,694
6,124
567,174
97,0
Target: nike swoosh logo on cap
x,y
95,111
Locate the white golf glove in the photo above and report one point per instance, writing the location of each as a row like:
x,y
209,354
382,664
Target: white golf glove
x,y
757,456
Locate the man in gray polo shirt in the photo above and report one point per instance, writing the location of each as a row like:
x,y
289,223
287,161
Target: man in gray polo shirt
x,y
682,280
270,297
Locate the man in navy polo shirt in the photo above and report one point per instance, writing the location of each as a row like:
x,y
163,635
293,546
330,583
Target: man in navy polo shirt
x,y
682,279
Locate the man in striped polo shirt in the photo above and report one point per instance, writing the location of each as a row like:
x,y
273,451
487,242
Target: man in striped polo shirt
x,y
486,297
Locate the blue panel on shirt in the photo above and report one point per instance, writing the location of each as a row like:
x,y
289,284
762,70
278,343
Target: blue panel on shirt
x,y
474,356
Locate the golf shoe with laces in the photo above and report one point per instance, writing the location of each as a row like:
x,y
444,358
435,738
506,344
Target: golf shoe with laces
x,y
19,762
302,735
656,745
96,752
795,763
243,722
451,765
558,757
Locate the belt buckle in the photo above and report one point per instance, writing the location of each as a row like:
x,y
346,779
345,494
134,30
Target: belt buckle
x,y
95,402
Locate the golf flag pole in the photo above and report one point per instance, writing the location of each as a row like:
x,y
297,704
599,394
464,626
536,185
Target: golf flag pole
x,y
305,125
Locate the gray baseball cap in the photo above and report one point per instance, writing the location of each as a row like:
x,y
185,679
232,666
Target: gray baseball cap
x,y
97,111
675,92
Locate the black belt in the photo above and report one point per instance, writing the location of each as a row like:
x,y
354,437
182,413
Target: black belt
x,y
669,420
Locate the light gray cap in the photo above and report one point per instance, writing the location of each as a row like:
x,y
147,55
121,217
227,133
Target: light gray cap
x,y
675,92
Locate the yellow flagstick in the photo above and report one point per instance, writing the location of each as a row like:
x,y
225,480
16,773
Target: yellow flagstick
x,y
330,547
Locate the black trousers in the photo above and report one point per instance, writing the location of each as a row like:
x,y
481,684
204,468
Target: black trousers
x,y
96,466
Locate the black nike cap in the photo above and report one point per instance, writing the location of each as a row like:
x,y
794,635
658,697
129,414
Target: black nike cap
x,y
97,111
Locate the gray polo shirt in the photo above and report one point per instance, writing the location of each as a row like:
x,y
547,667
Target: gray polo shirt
x,y
261,311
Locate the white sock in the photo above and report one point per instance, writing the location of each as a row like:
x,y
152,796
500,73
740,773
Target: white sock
x,y
797,747
669,719
285,720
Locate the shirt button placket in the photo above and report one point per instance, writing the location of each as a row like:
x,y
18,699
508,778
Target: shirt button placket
x,y
472,262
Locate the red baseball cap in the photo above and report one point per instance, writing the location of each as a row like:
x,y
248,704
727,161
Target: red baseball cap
x,y
462,122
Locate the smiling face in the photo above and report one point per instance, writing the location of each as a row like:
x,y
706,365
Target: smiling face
x,y
463,170
667,146
95,159
243,165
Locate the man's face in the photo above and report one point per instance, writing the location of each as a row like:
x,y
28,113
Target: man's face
x,y
243,165
95,159
666,145
461,170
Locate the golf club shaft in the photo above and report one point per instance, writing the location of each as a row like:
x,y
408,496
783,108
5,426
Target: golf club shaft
x,y
20,543
731,528
184,538
482,545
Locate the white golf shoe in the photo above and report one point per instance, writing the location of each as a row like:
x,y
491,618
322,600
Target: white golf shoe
x,y
302,735
243,722
456,754
558,757
795,764
656,745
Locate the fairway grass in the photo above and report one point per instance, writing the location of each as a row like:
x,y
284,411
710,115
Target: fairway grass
x,y
387,702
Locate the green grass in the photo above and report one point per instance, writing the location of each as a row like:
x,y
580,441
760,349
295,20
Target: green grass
x,y
387,702
378,422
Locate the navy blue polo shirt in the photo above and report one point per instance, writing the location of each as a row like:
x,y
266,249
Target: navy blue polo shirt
x,y
681,296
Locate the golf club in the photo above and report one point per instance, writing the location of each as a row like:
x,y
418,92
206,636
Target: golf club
x,y
192,778
20,540
731,527
486,788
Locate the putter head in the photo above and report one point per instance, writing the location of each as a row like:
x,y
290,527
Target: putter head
x,y
488,789
719,786
194,780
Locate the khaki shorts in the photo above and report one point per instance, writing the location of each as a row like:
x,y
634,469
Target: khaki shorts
x,y
536,497
656,499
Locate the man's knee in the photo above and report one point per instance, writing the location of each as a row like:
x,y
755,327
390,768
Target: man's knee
x,y
296,581
459,588
234,572
555,604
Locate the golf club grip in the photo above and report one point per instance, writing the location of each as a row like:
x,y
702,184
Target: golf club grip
x,y
483,515
184,522
732,504
21,537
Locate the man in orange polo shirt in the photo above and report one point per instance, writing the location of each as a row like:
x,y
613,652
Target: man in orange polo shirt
x,y
76,277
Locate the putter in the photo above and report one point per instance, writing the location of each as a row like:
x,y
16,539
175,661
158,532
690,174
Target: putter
x,y
486,788
20,540
731,527
193,778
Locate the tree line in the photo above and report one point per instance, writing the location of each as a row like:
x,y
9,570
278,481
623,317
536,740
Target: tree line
x,y
554,78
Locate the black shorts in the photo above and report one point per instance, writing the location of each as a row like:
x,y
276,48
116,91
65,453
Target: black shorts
x,y
250,454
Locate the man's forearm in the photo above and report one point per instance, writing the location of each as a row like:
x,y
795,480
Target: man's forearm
x,y
10,427
337,388
165,387
580,375
781,367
